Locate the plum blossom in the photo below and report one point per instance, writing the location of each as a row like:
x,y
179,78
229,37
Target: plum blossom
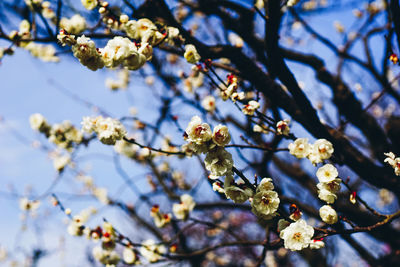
x,y
191,54
221,136
197,131
239,193
181,210
219,162
328,214
327,173
297,235
151,251
300,148
393,161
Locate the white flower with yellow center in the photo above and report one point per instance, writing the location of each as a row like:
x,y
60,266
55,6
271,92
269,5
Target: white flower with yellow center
x,y
297,235
265,203
300,148
327,173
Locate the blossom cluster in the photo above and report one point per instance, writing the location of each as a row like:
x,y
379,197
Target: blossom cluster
x,y
321,150
131,52
22,38
64,134
202,140
329,183
108,130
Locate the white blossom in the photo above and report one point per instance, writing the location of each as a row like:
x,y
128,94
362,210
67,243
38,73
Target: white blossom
x,y
250,108
265,203
219,162
106,257
85,50
38,122
181,210
291,3
322,149
327,196
74,25
393,161
208,103
129,256
328,214
191,54
282,127
197,131
221,135
297,235
239,193
317,244
300,148
327,173
151,251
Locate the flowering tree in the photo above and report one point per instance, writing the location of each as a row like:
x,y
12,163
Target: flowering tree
x,y
273,137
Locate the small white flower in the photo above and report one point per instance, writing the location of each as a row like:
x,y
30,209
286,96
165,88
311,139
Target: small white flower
x,y
75,25
393,161
85,50
327,196
250,108
191,54
265,185
108,130
60,162
217,187
197,131
282,128
208,103
265,203
333,186
297,235
238,193
106,257
101,194
181,210
129,256
327,173
38,123
26,204
328,214
300,148
219,162
221,135
323,148
151,251
75,227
